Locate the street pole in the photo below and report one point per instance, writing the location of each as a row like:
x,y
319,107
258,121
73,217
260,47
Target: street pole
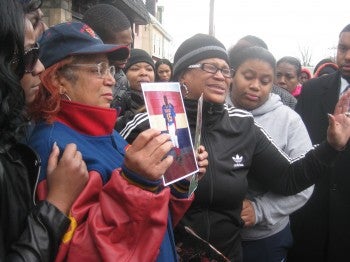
x,y
211,18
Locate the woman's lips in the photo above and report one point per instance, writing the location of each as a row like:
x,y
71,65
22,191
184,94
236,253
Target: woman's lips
x,y
252,97
109,96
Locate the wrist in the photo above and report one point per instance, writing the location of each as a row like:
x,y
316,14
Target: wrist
x,y
59,204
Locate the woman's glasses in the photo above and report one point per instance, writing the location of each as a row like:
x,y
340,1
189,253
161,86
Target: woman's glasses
x,y
30,58
102,69
210,68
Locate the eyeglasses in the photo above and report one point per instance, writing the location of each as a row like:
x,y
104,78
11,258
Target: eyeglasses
x,y
102,69
210,68
30,58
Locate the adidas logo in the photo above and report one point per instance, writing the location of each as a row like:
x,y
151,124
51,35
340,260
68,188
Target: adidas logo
x,y
237,159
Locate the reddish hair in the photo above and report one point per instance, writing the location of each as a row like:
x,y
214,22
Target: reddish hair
x,y
47,102
333,66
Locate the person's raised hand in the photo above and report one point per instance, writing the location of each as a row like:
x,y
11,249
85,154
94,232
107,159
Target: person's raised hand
x,y
338,132
147,154
66,177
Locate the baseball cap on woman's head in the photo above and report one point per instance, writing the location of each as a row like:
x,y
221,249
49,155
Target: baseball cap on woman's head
x,y
195,49
75,38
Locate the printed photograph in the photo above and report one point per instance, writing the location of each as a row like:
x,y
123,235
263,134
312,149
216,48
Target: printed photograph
x,y
166,113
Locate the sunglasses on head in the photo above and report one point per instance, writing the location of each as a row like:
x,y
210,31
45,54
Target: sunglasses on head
x,y
31,5
30,58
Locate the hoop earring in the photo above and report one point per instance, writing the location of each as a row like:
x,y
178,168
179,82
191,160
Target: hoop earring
x,y
64,96
187,92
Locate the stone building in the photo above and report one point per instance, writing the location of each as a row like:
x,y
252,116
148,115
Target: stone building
x,y
148,31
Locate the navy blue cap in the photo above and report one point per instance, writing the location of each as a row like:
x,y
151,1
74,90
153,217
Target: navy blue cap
x,y
75,38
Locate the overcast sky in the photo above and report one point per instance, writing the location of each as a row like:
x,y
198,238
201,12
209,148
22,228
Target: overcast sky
x,y
286,26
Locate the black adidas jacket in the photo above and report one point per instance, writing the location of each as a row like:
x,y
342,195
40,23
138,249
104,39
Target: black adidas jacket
x,y
238,147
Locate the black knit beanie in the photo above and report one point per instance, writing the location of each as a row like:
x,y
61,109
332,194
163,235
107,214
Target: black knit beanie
x,y
195,49
137,56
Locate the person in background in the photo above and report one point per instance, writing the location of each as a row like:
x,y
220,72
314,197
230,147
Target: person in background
x,y
326,69
163,70
139,69
321,62
248,41
288,72
320,228
113,27
124,202
30,230
237,146
304,75
266,234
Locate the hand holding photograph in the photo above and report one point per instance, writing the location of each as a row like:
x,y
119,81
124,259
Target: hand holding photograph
x,y
166,113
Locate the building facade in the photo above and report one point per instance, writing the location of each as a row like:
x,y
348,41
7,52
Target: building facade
x,y
148,31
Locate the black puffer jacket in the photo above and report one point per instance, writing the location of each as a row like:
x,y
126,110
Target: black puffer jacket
x,y
28,231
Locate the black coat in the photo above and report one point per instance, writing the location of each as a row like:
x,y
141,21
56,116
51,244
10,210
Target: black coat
x,y
29,231
321,228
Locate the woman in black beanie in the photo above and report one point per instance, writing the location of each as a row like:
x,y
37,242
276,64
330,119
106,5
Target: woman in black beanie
x,y
237,147
139,69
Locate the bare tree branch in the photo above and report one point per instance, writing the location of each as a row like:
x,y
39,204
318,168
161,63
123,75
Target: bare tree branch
x,y
306,55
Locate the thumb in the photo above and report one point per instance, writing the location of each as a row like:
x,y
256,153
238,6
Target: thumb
x,y
53,158
331,121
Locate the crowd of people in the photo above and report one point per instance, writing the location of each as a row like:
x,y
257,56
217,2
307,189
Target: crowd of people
x,y
81,169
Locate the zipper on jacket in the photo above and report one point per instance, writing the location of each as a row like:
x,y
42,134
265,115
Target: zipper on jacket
x,y
208,147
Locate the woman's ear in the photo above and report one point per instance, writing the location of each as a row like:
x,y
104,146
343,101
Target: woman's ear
x,y
60,82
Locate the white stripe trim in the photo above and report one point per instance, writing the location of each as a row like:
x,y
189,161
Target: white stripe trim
x,y
233,111
132,124
273,143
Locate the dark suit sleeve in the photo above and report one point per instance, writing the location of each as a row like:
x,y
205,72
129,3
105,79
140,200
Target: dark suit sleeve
x,y
318,99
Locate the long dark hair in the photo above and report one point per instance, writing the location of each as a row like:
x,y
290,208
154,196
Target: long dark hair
x,y
11,70
161,62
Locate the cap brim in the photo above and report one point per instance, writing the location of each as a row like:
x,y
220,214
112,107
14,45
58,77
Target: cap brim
x,y
114,52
